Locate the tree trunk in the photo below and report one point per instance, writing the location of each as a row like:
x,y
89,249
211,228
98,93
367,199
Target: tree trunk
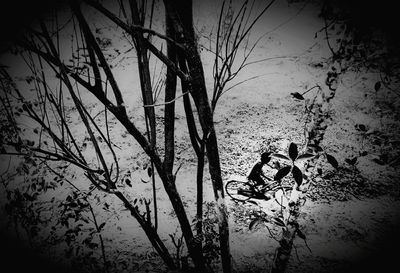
x,y
147,91
181,13
170,94
199,183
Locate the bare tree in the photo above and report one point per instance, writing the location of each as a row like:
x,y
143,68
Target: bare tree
x,y
91,71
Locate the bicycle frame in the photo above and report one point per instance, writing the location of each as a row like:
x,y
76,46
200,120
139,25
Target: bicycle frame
x,y
244,190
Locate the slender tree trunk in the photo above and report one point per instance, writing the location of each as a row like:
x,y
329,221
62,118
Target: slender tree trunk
x,y
170,93
199,183
200,98
144,72
199,148
197,144
181,12
147,92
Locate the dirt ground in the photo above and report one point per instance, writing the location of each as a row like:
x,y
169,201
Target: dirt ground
x,y
351,215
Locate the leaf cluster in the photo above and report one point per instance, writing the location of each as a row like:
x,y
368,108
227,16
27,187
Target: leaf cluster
x,y
292,157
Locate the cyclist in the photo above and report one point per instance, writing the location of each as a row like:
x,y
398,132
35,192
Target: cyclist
x,y
256,174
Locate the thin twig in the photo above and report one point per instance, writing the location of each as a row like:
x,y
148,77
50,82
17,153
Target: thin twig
x,y
167,102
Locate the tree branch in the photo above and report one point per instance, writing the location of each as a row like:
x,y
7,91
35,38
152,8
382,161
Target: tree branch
x,y
131,30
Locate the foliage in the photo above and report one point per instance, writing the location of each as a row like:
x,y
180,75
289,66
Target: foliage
x,y
292,157
358,42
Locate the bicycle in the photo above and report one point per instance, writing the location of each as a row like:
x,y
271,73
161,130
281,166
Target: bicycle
x,y
242,191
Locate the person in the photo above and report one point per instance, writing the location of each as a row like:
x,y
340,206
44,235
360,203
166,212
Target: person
x,y
256,174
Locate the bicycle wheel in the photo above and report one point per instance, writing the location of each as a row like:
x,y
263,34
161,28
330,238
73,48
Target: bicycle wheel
x,y
238,190
282,195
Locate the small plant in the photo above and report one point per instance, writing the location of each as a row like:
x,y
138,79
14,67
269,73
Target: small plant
x,y
292,157
282,224
281,218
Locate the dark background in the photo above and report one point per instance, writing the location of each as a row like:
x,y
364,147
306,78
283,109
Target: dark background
x,y
383,13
